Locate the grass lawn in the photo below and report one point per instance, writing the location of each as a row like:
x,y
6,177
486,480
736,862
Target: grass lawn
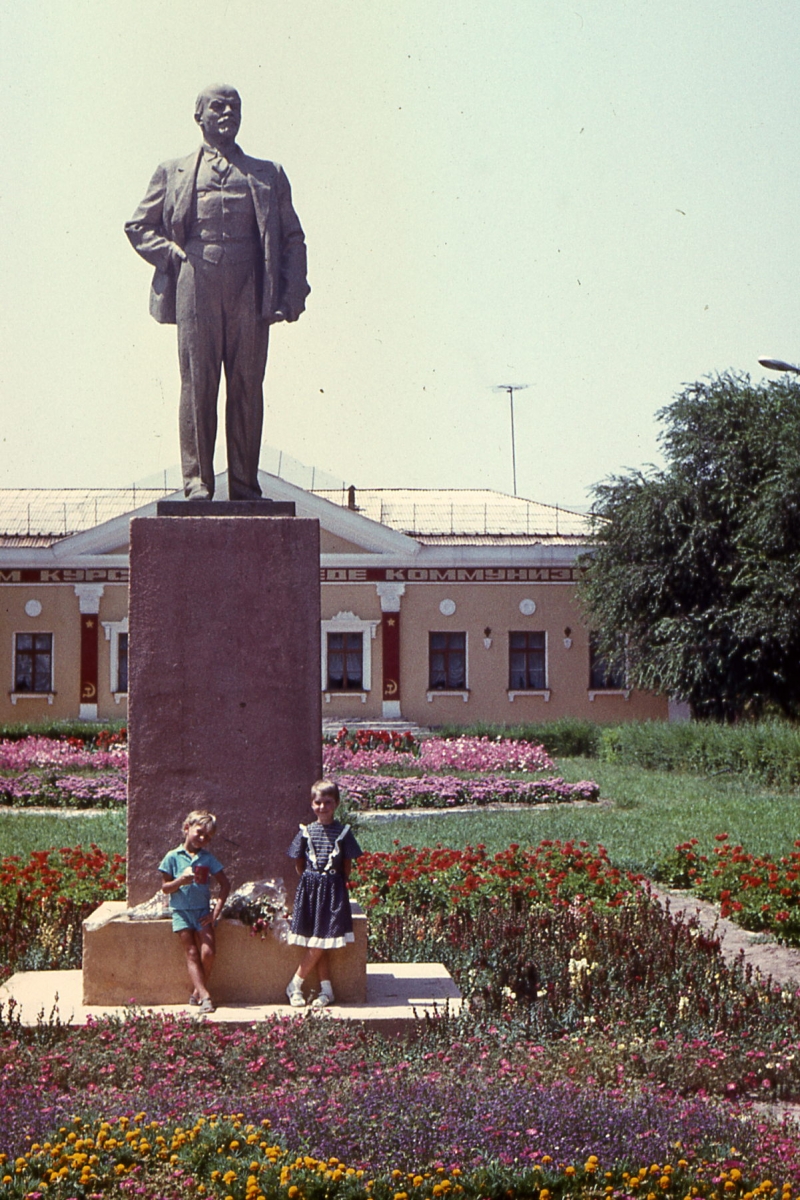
x,y
23,832
653,812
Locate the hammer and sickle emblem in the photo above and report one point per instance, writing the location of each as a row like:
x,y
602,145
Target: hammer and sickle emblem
x,y
89,691
390,687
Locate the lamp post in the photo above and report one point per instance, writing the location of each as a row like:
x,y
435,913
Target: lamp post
x,y
511,388
777,364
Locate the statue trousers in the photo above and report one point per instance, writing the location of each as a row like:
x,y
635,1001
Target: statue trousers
x,y
219,324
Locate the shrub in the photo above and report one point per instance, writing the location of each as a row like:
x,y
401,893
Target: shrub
x,y
567,737
90,733
768,751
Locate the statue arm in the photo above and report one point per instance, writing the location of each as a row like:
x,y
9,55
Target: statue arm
x,y
293,283
146,231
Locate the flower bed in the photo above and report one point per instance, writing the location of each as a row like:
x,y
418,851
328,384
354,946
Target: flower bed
x,y
39,771
441,880
56,773
449,791
239,1156
380,776
44,901
757,892
441,754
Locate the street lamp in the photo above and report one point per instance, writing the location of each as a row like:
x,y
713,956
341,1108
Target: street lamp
x,y
511,388
777,364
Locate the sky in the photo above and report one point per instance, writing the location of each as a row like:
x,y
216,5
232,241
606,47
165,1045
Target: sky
x,y
596,198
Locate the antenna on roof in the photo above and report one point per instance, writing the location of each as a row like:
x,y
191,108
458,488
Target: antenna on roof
x,y
511,388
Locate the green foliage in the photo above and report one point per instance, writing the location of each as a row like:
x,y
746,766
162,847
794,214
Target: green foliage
x,y
566,737
768,750
698,565
88,731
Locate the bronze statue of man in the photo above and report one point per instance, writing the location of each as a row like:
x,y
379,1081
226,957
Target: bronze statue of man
x,y
230,260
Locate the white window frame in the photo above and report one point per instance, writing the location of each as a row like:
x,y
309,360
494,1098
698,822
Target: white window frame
x,y
464,692
348,622
112,630
544,692
15,695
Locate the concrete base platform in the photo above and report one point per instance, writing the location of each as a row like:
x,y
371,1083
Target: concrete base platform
x,y
141,962
399,997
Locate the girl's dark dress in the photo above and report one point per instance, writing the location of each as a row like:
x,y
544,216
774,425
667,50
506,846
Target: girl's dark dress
x,y
321,915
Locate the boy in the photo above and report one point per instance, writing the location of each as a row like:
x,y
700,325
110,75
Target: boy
x,y
185,873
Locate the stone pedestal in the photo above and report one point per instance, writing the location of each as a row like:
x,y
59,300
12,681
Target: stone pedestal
x,y
224,701
142,962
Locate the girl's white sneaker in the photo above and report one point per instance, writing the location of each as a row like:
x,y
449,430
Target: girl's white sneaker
x,y
295,994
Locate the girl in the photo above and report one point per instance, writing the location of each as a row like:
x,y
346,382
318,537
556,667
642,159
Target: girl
x,y
321,921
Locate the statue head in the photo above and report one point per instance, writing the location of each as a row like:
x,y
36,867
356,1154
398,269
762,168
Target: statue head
x,y
218,112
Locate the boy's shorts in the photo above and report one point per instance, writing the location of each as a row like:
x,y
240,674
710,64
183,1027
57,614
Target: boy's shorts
x,y
188,918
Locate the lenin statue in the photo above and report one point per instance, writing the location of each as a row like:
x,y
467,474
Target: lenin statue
x,y
230,260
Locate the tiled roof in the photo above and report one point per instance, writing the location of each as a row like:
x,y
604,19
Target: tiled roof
x,y
462,515
52,513
434,516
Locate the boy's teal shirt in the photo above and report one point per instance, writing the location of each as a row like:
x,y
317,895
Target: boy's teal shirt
x,y
197,896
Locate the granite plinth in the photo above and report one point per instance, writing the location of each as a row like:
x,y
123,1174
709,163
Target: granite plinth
x,y
225,508
224,702
142,963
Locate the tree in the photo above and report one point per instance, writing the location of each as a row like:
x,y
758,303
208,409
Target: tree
x,y
697,567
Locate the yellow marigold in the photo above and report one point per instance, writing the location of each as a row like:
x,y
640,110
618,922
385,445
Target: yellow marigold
x,y
229,1177
569,1170
294,1190
7,1179
544,1194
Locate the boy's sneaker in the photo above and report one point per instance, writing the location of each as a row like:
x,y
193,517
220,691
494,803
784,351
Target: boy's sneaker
x,y
206,1006
194,1001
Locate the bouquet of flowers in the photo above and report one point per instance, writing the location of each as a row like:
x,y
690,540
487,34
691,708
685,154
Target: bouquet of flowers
x,y
262,906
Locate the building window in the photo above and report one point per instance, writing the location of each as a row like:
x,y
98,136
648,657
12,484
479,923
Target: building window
x,y
33,663
606,674
447,662
346,657
345,662
527,661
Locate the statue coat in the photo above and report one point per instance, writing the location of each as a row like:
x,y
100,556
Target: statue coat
x,y
165,214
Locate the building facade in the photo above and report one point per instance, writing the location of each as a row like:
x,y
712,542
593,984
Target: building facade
x,y
438,607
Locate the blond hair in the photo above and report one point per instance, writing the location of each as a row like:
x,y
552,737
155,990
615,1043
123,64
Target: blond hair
x,y
200,816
